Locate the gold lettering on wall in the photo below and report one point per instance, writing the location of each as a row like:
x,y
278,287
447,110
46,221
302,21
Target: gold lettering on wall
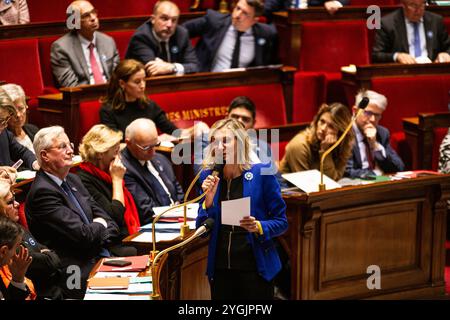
x,y
198,113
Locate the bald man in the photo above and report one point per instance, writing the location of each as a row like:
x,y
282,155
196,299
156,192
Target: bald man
x,y
149,177
162,45
85,55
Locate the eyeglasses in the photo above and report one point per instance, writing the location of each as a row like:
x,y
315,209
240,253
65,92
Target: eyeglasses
x,y
147,148
22,109
4,122
414,6
87,15
244,119
369,114
64,146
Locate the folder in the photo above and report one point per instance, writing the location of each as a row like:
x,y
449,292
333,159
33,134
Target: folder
x,y
108,283
138,263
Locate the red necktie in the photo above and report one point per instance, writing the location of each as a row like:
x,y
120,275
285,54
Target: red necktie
x,y
98,78
369,155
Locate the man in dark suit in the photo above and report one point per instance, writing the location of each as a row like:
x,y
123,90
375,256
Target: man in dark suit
x,y
63,216
372,152
161,45
411,35
84,56
233,41
271,6
149,176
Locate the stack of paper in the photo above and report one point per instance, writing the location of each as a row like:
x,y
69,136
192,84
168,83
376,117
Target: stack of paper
x,y
108,283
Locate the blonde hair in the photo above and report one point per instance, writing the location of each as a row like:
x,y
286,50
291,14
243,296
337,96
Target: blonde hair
x,y
241,137
99,139
5,188
7,103
15,93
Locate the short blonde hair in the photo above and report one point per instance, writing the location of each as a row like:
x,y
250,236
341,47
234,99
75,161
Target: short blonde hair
x,y
99,139
5,188
15,93
242,140
7,103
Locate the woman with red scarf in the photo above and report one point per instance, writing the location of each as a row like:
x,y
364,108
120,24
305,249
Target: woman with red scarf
x,y
102,174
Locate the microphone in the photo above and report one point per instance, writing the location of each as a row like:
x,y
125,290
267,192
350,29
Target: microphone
x,y
361,106
218,169
205,227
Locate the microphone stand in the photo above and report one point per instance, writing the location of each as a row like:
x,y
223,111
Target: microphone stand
x,y
322,186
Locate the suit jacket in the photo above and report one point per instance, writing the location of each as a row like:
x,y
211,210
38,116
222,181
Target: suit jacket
x,y
144,47
15,12
392,37
267,206
147,192
56,222
212,28
30,130
271,6
69,65
12,292
11,151
392,162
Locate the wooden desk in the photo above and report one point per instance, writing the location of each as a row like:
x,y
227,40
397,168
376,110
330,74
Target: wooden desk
x,y
419,132
184,275
400,226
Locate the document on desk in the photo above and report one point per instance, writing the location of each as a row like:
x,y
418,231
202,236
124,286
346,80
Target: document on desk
x,y
309,180
234,210
105,296
146,237
192,211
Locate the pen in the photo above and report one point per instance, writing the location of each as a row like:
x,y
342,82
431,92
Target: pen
x,y
17,164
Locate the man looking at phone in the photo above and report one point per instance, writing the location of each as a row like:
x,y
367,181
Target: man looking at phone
x,y
372,153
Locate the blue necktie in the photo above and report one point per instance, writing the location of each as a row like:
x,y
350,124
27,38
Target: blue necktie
x,y
417,49
65,186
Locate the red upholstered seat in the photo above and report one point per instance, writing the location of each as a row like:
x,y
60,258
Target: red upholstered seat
x,y
89,116
122,38
45,45
447,24
22,217
20,64
366,3
309,94
48,10
210,105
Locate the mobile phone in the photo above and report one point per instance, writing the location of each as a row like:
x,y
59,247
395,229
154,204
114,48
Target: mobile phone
x,y
17,164
117,263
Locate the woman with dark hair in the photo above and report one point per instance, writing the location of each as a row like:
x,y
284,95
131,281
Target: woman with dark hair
x,y
304,151
126,101
45,266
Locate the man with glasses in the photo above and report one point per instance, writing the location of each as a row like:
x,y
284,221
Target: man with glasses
x,y
83,56
10,150
149,176
372,152
411,35
63,215
233,41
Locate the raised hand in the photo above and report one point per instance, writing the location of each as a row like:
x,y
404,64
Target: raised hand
x,y
209,186
19,264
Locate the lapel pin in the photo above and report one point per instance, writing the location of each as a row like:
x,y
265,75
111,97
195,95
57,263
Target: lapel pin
x,y
261,41
248,176
430,34
174,49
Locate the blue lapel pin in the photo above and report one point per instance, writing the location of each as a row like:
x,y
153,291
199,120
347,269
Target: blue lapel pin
x,y
248,176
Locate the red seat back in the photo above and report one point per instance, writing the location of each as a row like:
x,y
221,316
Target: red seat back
x,y
210,105
366,3
329,45
122,39
409,96
89,116
20,64
309,94
45,45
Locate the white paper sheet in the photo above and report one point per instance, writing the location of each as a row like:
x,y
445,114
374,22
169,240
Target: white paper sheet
x,y
167,226
192,211
309,180
146,237
25,174
116,274
234,210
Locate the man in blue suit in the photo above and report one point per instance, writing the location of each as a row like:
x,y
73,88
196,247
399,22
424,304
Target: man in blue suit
x,y
149,176
233,41
372,153
271,6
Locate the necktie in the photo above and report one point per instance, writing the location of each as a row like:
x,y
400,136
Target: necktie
x,y
369,155
417,49
236,50
73,199
98,78
164,55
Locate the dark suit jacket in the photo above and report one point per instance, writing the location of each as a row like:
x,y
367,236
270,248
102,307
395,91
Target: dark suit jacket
x,y
212,28
392,36
392,162
144,47
30,130
11,151
147,192
12,292
69,65
271,6
56,222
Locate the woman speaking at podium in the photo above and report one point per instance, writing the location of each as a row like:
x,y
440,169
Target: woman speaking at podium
x,y
242,258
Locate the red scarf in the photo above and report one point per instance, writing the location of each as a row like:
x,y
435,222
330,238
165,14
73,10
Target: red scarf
x,y
131,216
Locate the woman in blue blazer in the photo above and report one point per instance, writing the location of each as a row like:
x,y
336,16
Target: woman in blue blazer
x,y
242,260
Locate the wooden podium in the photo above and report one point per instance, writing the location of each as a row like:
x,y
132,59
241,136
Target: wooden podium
x,y
399,226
